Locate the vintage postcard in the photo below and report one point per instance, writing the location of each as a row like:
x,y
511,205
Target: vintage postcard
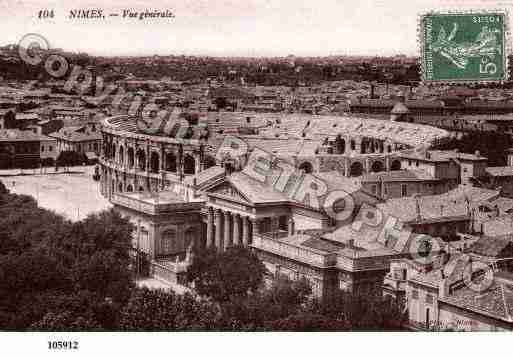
x,y
198,178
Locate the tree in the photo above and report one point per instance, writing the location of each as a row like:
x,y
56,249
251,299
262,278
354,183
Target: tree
x,y
64,322
282,299
159,310
221,276
50,266
360,312
307,322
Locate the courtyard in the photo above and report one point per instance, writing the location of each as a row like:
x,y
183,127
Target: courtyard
x,y
74,195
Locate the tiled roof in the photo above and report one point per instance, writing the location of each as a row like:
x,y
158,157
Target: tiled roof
x,y
503,171
400,175
496,302
76,134
432,208
441,156
490,246
12,135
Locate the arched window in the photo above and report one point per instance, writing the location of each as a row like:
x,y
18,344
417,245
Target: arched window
x,y
340,145
129,188
170,162
131,157
209,161
356,169
154,162
377,166
189,165
141,158
121,156
306,166
396,165
167,241
191,237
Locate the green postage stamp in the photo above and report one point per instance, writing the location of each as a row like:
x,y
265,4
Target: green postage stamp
x,y
466,47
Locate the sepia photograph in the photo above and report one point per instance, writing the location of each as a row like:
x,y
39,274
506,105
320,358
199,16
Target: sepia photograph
x,y
279,177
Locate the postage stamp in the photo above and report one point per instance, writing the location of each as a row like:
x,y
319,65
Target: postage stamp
x,y
467,47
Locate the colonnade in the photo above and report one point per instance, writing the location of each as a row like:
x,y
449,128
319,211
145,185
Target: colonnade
x,y
226,229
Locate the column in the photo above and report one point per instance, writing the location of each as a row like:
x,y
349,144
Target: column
x,y
245,231
148,154
197,164
236,230
210,228
227,237
218,239
254,227
275,225
347,150
291,226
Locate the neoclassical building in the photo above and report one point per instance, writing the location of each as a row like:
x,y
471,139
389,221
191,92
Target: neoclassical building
x,y
180,197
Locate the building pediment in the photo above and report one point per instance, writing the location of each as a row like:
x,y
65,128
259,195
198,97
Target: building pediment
x,y
226,189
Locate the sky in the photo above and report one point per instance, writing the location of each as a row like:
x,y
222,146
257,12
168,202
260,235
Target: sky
x,y
232,27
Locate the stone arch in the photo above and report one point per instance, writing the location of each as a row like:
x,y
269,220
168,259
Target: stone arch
x,y
121,155
340,145
209,161
306,166
189,165
356,169
141,158
395,165
129,188
154,162
167,241
377,166
353,145
131,157
141,189
113,151
120,186
170,162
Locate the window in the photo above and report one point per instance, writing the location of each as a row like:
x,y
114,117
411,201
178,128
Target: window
x,y
409,162
374,189
50,148
417,163
404,190
429,299
42,148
